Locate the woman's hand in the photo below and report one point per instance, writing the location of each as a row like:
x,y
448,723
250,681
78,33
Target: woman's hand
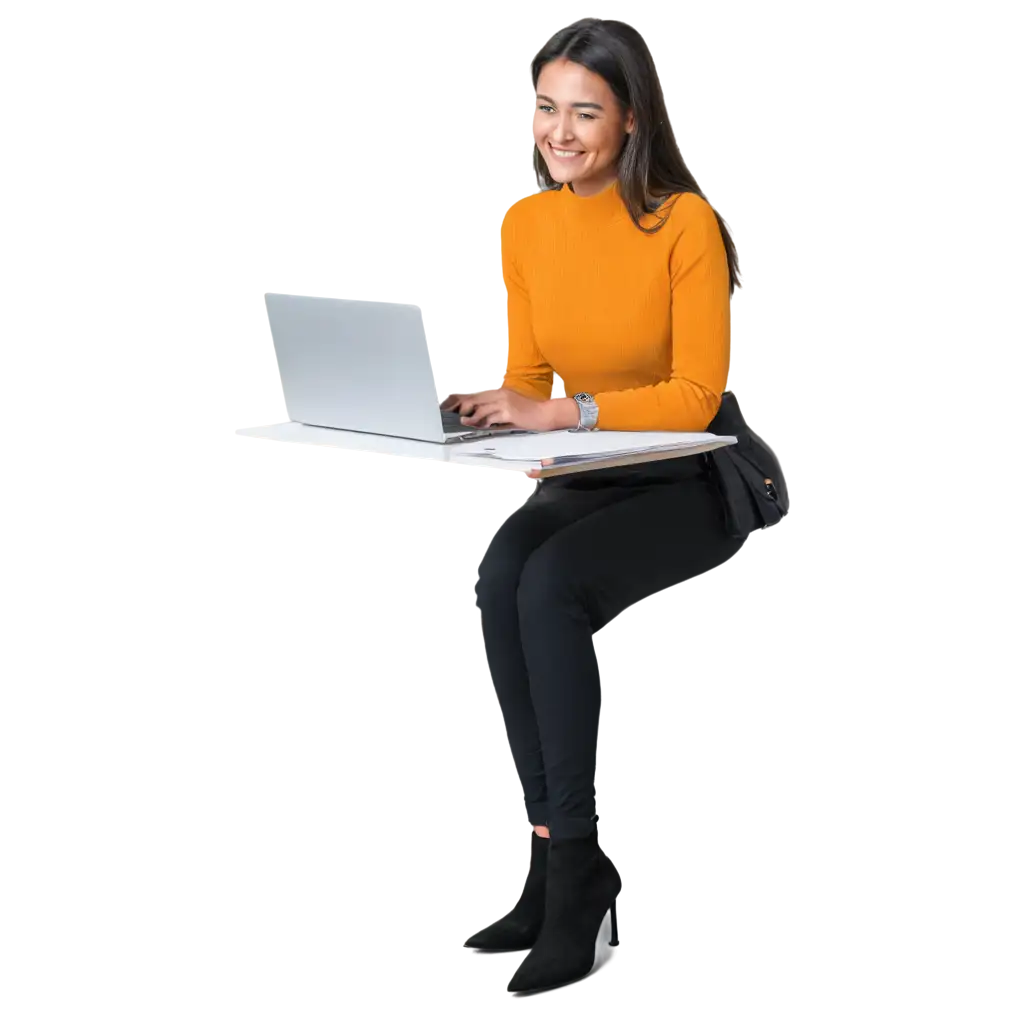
x,y
501,408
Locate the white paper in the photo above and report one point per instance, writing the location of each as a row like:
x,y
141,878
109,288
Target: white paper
x,y
584,462
552,444
386,444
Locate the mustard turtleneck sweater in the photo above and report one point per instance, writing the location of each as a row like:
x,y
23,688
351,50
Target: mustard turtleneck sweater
x,y
640,321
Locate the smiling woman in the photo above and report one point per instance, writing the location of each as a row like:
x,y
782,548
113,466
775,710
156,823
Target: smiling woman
x,y
600,117
619,275
581,132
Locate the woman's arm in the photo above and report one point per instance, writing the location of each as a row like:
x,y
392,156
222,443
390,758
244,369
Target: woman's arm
x,y
528,372
699,276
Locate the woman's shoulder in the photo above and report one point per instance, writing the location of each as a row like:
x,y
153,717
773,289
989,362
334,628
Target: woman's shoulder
x,y
686,213
526,216
690,203
525,204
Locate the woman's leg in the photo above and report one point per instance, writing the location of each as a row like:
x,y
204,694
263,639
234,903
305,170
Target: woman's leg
x,y
496,580
521,534
572,584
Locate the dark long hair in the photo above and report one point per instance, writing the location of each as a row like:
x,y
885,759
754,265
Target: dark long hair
x,y
650,165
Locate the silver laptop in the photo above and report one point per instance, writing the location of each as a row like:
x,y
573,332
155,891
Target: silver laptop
x,y
363,366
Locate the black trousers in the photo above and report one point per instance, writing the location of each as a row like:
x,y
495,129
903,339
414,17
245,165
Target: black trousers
x,y
583,547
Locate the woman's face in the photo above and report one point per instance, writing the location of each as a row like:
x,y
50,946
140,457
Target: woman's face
x,y
578,112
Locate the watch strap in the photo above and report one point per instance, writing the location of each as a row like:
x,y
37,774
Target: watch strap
x,y
587,410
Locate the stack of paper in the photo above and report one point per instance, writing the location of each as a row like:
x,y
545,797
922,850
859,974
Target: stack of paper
x,y
544,449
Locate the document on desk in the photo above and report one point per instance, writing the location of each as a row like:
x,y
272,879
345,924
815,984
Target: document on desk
x,y
557,451
563,447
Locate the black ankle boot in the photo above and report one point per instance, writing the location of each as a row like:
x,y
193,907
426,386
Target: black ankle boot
x,y
582,887
519,928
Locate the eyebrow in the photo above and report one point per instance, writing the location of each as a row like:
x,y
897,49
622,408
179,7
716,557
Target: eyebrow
x,y
596,106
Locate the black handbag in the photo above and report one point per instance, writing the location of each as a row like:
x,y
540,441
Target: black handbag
x,y
747,474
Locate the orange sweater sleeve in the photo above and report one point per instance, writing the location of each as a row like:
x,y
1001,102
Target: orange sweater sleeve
x,y
699,280
528,372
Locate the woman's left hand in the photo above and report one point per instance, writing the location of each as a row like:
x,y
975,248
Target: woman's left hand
x,y
501,408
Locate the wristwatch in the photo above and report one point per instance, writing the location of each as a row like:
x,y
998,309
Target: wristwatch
x,y
588,412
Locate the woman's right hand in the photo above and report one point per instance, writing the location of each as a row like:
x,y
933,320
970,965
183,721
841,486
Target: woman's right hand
x,y
452,402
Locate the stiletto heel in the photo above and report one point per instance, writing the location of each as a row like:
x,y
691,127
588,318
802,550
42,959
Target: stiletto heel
x,y
616,925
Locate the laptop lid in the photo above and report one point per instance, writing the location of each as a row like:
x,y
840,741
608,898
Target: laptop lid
x,y
355,365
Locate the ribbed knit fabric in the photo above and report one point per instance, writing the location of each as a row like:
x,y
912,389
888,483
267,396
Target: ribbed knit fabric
x,y
640,321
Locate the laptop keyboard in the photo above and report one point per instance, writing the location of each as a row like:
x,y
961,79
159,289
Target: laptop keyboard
x,y
451,423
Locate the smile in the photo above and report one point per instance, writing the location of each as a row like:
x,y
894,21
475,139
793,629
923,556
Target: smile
x,y
564,154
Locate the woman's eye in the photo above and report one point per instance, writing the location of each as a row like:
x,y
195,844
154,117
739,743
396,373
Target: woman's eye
x,y
589,117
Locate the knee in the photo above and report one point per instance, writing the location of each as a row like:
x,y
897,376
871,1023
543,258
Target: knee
x,y
498,576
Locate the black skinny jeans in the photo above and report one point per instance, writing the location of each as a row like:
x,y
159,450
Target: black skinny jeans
x,y
583,547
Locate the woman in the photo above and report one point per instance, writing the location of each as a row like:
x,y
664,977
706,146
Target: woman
x,y
619,276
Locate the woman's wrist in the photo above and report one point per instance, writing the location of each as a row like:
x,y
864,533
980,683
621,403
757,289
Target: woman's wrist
x,y
563,413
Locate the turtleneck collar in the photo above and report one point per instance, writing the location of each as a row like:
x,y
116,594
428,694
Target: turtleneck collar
x,y
601,206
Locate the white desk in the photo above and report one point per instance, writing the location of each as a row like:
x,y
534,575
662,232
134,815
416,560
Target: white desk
x,y
383,445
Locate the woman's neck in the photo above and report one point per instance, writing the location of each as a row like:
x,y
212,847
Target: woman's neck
x,y
589,187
